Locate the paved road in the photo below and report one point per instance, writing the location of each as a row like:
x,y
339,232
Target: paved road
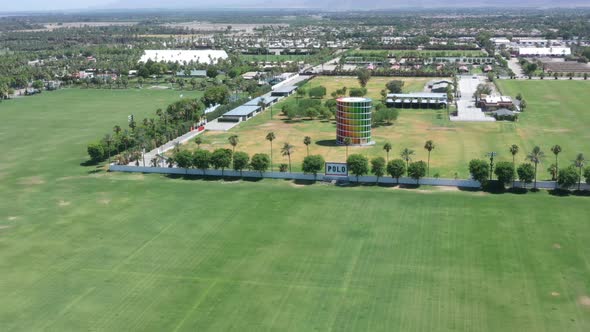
x,y
515,67
466,110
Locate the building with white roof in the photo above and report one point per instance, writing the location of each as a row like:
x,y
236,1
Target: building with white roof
x,y
181,56
544,51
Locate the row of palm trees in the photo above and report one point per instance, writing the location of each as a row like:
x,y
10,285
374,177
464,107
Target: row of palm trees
x,y
536,157
287,148
406,154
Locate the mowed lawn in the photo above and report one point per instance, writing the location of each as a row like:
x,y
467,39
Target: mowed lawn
x,y
557,114
81,249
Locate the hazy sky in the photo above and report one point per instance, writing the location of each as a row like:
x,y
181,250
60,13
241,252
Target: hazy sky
x,y
45,5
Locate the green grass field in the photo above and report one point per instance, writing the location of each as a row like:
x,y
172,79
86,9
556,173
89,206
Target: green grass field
x,y
86,250
557,114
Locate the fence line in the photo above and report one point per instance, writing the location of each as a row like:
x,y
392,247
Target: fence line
x,y
467,183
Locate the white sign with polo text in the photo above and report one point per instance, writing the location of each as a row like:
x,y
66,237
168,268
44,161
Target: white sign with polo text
x,y
336,169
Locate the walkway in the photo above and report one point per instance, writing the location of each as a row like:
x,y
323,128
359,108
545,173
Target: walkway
x,y
148,156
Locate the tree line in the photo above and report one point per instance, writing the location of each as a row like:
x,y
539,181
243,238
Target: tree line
x,y
359,165
507,172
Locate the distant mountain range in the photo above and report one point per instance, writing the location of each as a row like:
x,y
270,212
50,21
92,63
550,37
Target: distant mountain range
x,y
331,5
344,4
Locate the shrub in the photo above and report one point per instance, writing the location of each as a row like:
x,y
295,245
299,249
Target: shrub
x,y
568,177
283,168
396,168
395,86
240,160
313,164
479,170
505,172
587,174
317,92
417,170
357,92
358,165
96,151
378,166
183,159
526,173
221,158
201,159
260,162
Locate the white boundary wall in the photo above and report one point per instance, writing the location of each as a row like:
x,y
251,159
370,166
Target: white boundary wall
x,y
320,177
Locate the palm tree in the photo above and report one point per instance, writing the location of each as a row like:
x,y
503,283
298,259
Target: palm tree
x,y
262,104
307,142
117,129
429,146
109,140
556,149
535,156
286,151
387,147
347,142
270,137
233,140
513,151
406,155
579,163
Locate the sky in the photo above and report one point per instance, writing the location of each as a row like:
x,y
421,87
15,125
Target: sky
x,y
60,5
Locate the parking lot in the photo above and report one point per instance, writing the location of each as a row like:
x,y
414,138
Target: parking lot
x,y
466,110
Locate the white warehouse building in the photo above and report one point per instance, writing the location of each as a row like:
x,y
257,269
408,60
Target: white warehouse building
x,y
544,51
181,56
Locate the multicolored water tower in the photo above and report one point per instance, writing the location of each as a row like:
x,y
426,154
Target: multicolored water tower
x,y
353,120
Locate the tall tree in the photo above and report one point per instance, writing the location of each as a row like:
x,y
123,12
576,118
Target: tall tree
x,y
417,170
536,157
387,147
241,160
395,86
307,142
108,139
406,155
479,170
183,159
396,168
313,164
579,162
202,159
429,146
117,129
363,75
504,172
556,149
198,141
526,173
260,162
378,167
270,137
287,150
358,165
221,158
233,141
513,151
568,177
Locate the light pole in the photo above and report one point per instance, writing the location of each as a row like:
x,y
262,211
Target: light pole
x,y
491,155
